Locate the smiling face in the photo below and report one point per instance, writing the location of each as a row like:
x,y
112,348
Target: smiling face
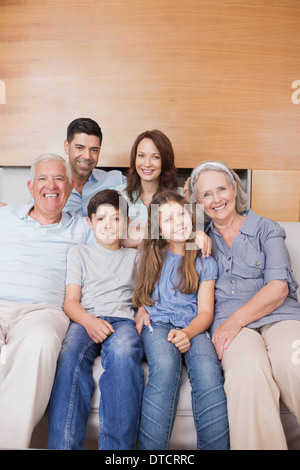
x,y
50,190
217,194
108,225
175,224
148,161
83,152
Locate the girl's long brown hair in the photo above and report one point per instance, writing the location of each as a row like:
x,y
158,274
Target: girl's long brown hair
x,y
153,253
168,177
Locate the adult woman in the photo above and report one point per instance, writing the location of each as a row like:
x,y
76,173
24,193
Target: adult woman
x,y
151,170
256,310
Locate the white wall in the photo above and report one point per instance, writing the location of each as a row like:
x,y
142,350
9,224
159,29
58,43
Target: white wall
x,y
13,185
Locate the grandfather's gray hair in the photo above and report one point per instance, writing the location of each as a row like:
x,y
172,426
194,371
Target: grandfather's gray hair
x,y
50,156
241,197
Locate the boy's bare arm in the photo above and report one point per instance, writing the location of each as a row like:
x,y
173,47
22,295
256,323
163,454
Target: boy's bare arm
x,y
97,329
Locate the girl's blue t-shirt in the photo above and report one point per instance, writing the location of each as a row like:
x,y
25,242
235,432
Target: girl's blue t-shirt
x,y
171,306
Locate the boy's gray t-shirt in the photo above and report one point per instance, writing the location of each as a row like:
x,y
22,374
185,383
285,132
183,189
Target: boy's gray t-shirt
x,y
105,277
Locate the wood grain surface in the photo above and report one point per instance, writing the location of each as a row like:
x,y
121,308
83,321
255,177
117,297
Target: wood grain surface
x,y
215,76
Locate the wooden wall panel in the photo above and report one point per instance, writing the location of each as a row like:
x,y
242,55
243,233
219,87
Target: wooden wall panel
x,y
215,76
276,194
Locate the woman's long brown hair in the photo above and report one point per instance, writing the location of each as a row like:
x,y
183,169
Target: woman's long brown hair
x,y
153,253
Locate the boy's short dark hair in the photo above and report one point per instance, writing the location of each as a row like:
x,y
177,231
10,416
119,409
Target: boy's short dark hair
x,y
108,197
83,126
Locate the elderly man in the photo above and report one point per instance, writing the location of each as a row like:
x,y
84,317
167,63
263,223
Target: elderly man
x,y
82,147
34,241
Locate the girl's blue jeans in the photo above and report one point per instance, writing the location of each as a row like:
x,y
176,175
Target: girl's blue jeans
x,y
121,387
162,391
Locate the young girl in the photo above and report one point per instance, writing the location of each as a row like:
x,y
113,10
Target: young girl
x,y
176,287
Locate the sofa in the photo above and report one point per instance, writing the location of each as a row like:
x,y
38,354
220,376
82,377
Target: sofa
x,y
184,434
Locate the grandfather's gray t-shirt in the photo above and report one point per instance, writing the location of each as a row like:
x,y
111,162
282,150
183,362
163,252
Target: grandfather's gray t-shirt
x,y
105,277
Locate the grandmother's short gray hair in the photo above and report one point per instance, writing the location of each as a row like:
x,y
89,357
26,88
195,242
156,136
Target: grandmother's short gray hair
x,y
241,197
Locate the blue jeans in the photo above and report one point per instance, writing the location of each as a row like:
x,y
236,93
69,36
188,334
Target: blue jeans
x,y
162,391
121,386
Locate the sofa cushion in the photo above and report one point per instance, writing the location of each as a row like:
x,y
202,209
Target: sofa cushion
x,y
292,230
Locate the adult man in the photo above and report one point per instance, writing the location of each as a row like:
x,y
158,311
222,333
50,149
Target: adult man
x,y
34,241
82,145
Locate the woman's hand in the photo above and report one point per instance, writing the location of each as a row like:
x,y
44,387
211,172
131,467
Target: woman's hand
x,y
204,243
142,318
224,335
180,339
264,302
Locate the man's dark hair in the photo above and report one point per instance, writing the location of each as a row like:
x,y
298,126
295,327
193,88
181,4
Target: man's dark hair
x,y
83,126
108,197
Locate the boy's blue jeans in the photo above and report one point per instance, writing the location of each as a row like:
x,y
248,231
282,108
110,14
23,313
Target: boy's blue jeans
x,y
121,387
162,391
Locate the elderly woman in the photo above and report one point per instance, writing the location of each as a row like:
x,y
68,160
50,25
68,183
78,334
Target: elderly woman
x,y
256,310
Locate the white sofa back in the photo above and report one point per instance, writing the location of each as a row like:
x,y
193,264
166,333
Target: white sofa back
x,y
293,244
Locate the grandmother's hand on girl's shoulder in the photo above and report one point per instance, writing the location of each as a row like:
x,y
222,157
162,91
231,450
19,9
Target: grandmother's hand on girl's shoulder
x,y
204,243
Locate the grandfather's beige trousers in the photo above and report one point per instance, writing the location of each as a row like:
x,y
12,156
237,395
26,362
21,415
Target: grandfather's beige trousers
x,y
261,366
30,341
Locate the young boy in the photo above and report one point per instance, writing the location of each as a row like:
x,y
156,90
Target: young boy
x,y
98,301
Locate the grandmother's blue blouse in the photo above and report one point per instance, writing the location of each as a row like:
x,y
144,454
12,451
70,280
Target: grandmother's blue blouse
x,y
258,255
